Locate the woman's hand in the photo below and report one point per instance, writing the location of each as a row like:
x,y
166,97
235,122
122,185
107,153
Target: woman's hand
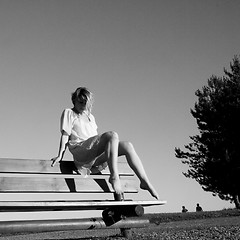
x,y
55,160
62,148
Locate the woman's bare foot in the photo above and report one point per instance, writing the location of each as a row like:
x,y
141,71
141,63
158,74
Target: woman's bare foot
x,y
116,184
150,188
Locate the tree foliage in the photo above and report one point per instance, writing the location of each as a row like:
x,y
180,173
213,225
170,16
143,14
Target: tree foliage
x,y
213,156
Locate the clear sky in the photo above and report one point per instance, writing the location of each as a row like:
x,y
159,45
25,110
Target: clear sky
x,y
143,60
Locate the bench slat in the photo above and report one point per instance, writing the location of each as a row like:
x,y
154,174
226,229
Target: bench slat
x,y
51,184
44,166
52,175
72,205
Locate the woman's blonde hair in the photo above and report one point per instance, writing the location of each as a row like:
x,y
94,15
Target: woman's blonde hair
x,y
83,93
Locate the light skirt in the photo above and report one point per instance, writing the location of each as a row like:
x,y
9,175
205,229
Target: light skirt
x,y
85,154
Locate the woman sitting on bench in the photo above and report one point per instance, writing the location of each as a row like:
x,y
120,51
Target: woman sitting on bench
x,y
92,152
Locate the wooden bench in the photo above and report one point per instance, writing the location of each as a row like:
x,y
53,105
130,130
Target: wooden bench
x,y
37,177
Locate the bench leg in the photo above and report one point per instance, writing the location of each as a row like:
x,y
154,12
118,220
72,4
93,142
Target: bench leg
x,y
126,232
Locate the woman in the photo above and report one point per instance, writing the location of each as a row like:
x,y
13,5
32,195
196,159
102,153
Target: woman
x,y
93,152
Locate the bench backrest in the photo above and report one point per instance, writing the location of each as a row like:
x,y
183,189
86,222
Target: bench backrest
x,y
32,175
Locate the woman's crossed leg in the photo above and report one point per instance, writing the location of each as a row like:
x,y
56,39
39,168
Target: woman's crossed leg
x,y
112,148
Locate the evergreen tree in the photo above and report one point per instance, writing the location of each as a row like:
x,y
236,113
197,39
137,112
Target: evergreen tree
x,y
213,156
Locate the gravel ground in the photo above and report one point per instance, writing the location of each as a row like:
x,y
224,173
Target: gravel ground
x,y
221,233
222,228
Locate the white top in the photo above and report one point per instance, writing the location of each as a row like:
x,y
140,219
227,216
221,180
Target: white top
x,y
78,127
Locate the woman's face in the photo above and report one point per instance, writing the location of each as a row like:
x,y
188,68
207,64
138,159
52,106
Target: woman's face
x,y
80,104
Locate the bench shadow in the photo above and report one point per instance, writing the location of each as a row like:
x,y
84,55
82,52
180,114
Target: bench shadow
x,y
111,237
102,183
68,167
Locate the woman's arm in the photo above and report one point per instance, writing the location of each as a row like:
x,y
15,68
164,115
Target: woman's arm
x,y
62,148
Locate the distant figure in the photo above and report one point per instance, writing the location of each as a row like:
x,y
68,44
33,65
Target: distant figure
x,y
184,209
198,208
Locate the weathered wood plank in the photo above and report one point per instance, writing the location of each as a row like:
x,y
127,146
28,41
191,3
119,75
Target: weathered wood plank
x,y
72,205
51,184
44,166
55,175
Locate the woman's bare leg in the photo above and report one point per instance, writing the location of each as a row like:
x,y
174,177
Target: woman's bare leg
x,y
109,145
127,149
